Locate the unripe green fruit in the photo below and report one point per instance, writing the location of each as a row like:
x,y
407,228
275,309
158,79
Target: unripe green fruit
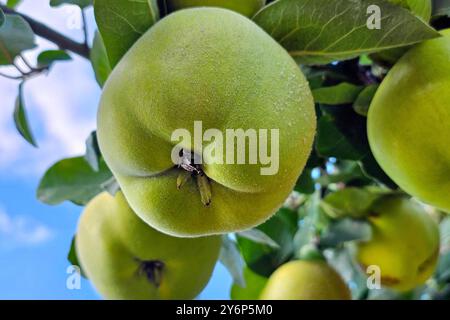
x,y
404,244
409,122
126,259
305,280
218,67
246,7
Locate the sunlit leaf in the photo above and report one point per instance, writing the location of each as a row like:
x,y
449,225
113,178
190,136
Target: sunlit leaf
x,y
258,236
74,180
322,31
21,120
80,3
254,284
99,60
339,94
231,258
122,22
15,36
46,58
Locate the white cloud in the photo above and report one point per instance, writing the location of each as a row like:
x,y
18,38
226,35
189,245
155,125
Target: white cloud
x,y
19,231
61,106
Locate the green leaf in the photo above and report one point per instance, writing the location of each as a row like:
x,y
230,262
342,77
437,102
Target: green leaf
x,y
347,172
72,179
262,258
46,58
122,22
351,202
334,141
342,133
305,183
15,36
2,17
20,118
254,284
441,8
258,236
81,3
73,258
345,230
231,258
13,3
364,99
99,60
322,31
93,155
339,94
365,60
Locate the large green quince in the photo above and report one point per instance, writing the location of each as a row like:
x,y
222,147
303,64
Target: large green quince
x,y
126,259
305,280
216,67
245,7
409,122
404,244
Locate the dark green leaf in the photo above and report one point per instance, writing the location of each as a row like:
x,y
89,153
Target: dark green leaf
x,y
2,17
232,260
13,3
263,259
305,183
351,202
345,230
443,269
372,169
122,22
258,236
347,172
340,94
334,141
441,8
362,102
15,36
72,179
99,60
46,58
93,155
342,133
322,31
73,258
445,234
254,284
80,3
20,118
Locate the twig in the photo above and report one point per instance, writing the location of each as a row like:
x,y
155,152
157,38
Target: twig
x,y
10,77
26,62
85,28
23,72
46,32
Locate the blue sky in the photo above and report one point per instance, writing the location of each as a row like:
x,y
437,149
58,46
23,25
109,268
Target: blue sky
x,y
35,238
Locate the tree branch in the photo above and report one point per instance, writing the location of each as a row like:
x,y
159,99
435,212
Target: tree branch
x,y
51,35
